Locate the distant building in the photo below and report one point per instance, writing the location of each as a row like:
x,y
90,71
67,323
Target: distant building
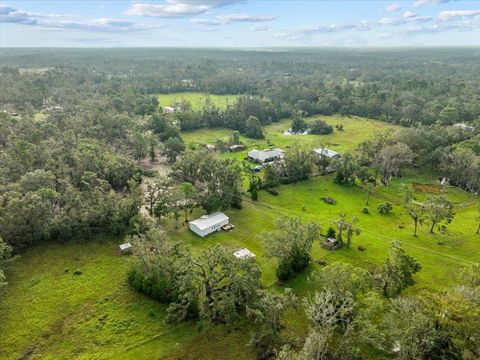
x,y
462,126
243,253
208,224
326,152
264,156
168,110
289,132
125,248
237,147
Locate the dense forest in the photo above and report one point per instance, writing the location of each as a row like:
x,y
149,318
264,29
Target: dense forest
x,y
79,129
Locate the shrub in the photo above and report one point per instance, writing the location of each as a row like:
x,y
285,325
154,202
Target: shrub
x,y
158,288
285,270
271,191
331,233
365,210
320,127
385,208
328,200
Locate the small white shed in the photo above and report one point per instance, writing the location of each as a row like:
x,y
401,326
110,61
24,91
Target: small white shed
x,y
209,223
243,253
124,248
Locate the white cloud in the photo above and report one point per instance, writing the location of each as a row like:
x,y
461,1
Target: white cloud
x,y
393,8
61,21
453,14
227,19
259,27
418,3
409,15
177,8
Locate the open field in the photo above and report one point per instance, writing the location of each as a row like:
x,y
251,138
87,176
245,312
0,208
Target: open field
x,y
197,99
355,131
50,313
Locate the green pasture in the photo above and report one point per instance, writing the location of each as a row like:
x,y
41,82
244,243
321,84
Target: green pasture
x,y
197,99
355,131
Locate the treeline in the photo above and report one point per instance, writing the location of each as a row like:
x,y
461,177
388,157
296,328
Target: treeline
x,y
57,181
401,86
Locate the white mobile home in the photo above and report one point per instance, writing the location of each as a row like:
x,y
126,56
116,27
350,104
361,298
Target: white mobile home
x,y
209,223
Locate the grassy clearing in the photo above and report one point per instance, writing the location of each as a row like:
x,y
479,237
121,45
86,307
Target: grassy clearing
x,y
50,313
197,99
355,131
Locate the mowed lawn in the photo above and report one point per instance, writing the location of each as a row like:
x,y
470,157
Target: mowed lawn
x,y
197,99
355,131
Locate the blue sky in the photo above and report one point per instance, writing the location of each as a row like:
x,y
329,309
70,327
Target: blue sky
x,y
238,23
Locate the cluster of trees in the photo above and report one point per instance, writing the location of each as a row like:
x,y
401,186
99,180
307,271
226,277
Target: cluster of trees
x,y
350,319
298,165
436,209
198,178
57,181
213,287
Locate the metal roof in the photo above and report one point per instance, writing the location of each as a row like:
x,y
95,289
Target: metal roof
x,y
243,253
207,221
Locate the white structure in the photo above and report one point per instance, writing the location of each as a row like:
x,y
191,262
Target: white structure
x,y
243,253
209,223
463,126
326,152
289,132
267,155
168,110
125,247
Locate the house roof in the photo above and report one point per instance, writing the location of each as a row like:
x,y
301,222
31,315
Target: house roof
x,y
326,152
267,154
243,253
206,221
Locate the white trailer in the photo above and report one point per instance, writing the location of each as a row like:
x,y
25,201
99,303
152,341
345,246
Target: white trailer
x,y
209,223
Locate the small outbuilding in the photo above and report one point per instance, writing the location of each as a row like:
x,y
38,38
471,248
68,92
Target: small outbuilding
x,y
125,248
290,132
326,152
168,110
236,148
243,253
208,224
330,243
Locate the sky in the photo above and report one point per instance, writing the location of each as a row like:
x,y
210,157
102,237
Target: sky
x,y
238,23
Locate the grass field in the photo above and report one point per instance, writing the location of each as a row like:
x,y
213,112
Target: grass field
x,y
50,313
355,131
197,99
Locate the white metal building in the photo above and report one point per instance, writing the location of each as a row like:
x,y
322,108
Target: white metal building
x,y
243,253
326,152
263,156
207,224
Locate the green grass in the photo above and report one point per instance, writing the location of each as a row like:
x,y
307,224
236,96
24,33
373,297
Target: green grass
x,y
197,99
355,131
48,313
